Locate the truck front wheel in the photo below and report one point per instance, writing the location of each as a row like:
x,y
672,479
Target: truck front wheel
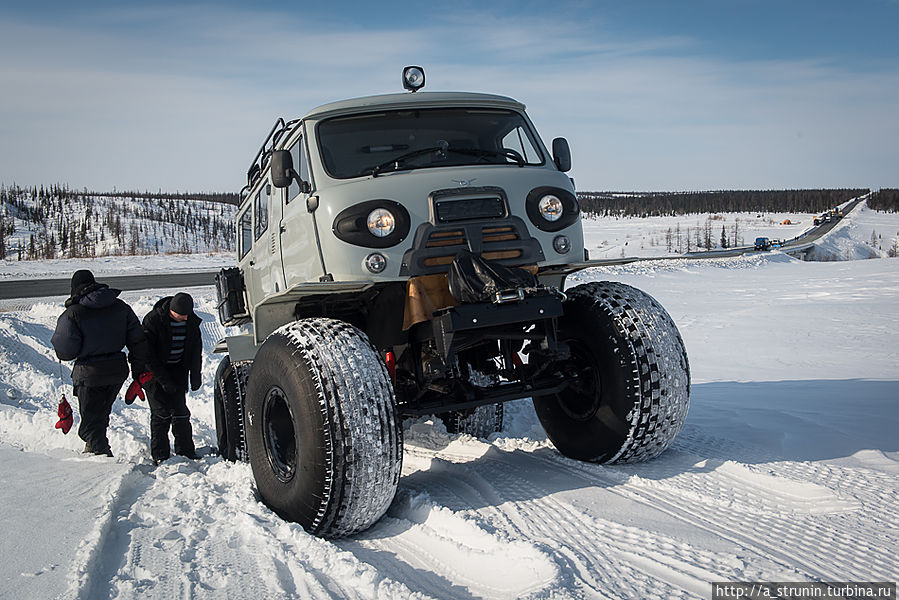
x,y
324,440
628,377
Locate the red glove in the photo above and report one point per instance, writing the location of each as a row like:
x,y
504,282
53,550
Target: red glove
x,y
64,411
134,391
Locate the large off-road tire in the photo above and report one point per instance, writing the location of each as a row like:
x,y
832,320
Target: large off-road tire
x,y
323,435
629,379
479,422
228,399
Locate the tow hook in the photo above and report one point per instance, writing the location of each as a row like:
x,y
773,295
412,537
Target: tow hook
x,y
507,296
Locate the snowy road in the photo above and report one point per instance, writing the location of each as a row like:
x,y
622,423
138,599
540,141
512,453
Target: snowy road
x,y
787,470
30,288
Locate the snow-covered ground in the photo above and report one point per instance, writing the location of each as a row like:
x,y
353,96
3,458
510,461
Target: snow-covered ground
x,y
658,236
661,236
787,469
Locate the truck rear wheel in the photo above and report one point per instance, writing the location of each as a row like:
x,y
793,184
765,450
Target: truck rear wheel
x,y
629,378
228,396
324,440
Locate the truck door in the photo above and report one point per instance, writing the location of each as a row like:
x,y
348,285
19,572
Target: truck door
x,y
298,250
267,239
245,257
274,264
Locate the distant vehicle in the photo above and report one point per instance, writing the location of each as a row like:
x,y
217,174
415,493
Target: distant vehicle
x,y
829,216
762,243
787,222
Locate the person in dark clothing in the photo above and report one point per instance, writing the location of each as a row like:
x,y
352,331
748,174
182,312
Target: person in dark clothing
x,y
175,357
94,328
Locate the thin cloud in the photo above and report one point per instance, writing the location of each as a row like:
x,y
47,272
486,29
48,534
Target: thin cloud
x,y
179,97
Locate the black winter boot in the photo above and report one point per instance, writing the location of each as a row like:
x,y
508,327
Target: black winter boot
x,y
183,434
89,450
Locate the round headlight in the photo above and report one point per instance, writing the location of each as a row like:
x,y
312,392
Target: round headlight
x,y
550,207
381,222
375,262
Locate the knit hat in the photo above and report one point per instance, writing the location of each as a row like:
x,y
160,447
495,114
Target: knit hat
x,y
80,279
182,304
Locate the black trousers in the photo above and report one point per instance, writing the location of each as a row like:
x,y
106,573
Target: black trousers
x,y
169,411
95,404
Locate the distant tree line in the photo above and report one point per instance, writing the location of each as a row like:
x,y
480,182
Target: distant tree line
x,y
41,222
64,192
646,204
224,197
885,199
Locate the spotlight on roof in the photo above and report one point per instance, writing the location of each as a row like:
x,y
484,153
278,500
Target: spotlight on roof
x,y
413,78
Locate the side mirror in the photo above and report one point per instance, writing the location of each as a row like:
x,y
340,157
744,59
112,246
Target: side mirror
x,y
283,172
562,154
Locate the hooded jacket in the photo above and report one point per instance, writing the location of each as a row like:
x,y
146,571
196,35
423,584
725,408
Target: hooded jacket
x,y
158,330
94,328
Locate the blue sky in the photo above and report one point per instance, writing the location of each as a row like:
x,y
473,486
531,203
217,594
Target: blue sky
x,y
652,95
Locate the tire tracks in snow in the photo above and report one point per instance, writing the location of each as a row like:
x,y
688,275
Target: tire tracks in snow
x,y
609,558
592,558
812,534
776,521
92,570
862,500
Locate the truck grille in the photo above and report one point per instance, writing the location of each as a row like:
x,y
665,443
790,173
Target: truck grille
x,y
451,210
504,240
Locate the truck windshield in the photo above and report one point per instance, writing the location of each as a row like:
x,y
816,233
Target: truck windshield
x,y
375,143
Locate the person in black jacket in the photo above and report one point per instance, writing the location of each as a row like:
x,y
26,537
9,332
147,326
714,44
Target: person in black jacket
x,y
175,357
94,328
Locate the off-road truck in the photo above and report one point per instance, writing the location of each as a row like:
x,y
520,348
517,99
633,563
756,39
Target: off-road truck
x,y
405,255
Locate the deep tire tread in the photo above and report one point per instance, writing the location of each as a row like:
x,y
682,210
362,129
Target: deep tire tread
x,y
661,372
362,436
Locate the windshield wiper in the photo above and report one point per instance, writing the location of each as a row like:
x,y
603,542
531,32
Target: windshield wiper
x,y
441,150
512,154
395,162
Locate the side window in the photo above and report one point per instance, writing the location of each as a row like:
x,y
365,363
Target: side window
x,y
298,153
245,240
260,207
518,140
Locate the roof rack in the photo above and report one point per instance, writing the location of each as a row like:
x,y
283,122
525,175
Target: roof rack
x,y
260,161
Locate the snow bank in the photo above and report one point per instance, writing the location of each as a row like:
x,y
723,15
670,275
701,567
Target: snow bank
x,y
860,235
